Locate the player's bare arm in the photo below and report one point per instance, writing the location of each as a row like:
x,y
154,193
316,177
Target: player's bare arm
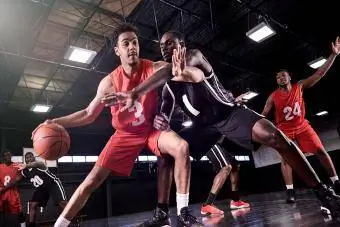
x,y
268,107
36,164
91,112
321,72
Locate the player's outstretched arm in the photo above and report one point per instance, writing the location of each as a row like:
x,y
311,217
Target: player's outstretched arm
x,y
313,79
36,164
268,107
91,112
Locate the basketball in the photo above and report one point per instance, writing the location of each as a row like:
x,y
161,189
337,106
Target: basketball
x,y
51,141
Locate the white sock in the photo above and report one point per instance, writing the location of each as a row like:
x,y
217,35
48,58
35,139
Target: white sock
x,y
182,200
62,222
289,186
335,178
23,224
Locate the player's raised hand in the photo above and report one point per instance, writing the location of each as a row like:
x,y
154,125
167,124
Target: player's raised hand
x,y
20,166
336,46
178,61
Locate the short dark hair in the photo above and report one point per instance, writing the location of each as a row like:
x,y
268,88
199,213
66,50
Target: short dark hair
x,y
177,35
282,70
125,27
29,153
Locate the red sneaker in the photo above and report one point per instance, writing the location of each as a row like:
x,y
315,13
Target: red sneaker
x,y
238,204
211,210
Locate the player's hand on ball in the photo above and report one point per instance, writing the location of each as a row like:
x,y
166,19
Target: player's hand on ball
x,y
48,121
161,123
20,166
336,46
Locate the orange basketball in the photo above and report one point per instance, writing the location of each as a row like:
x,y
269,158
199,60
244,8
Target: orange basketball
x,y
51,141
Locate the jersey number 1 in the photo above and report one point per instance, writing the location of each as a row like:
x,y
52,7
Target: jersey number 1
x,y
138,109
290,112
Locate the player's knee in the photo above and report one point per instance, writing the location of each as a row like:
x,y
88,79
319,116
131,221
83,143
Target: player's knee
x,y
182,150
226,169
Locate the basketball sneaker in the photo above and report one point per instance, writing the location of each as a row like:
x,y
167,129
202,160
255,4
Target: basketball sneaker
x,y
159,219
185,219
329,200
211,210
290,196
238,204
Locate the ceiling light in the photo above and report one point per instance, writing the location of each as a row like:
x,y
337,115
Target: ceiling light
x,y
322,113
81,55
317,63
260,32
41,108
187,123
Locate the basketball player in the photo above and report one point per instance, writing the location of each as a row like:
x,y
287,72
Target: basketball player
x,y
10,202
215,111
134,126
46,184
289,106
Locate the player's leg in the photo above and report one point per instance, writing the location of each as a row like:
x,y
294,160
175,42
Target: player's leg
x,y
117,157
266,133
39,198
169,143
79,198
221,163
235,202
58,194
310,142
287,174
15,207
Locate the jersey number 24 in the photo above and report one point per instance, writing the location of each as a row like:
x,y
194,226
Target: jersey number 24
x,y
291,112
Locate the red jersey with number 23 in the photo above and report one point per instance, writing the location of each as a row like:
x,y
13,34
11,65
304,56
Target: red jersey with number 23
x,y
138,118
290,110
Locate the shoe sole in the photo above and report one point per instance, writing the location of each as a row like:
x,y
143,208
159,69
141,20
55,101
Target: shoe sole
x,y
238,207
208,213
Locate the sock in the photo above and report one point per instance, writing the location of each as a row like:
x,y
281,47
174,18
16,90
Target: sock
x,y
335,178
62,222
182,200
211,199
289,186
235,196
164,207
23,224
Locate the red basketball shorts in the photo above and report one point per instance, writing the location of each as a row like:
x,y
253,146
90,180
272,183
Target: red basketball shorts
x,y
10,202
307,140
123,148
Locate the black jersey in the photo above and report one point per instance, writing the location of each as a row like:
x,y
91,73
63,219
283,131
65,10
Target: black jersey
x,y
40,178
206,102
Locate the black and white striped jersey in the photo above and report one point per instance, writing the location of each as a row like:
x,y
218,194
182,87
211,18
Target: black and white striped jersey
x,y
40,178
205,102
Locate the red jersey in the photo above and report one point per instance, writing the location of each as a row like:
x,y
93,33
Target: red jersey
x,y
7,174
290,110
138,118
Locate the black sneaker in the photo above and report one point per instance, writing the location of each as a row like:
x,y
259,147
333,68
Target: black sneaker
x,y
290,196
159,219
329,200
336,187
185,219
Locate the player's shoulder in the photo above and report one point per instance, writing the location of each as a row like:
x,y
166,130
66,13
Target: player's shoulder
x,y
193,53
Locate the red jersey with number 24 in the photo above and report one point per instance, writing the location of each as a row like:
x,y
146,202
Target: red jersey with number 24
x,y
138,118
290,110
